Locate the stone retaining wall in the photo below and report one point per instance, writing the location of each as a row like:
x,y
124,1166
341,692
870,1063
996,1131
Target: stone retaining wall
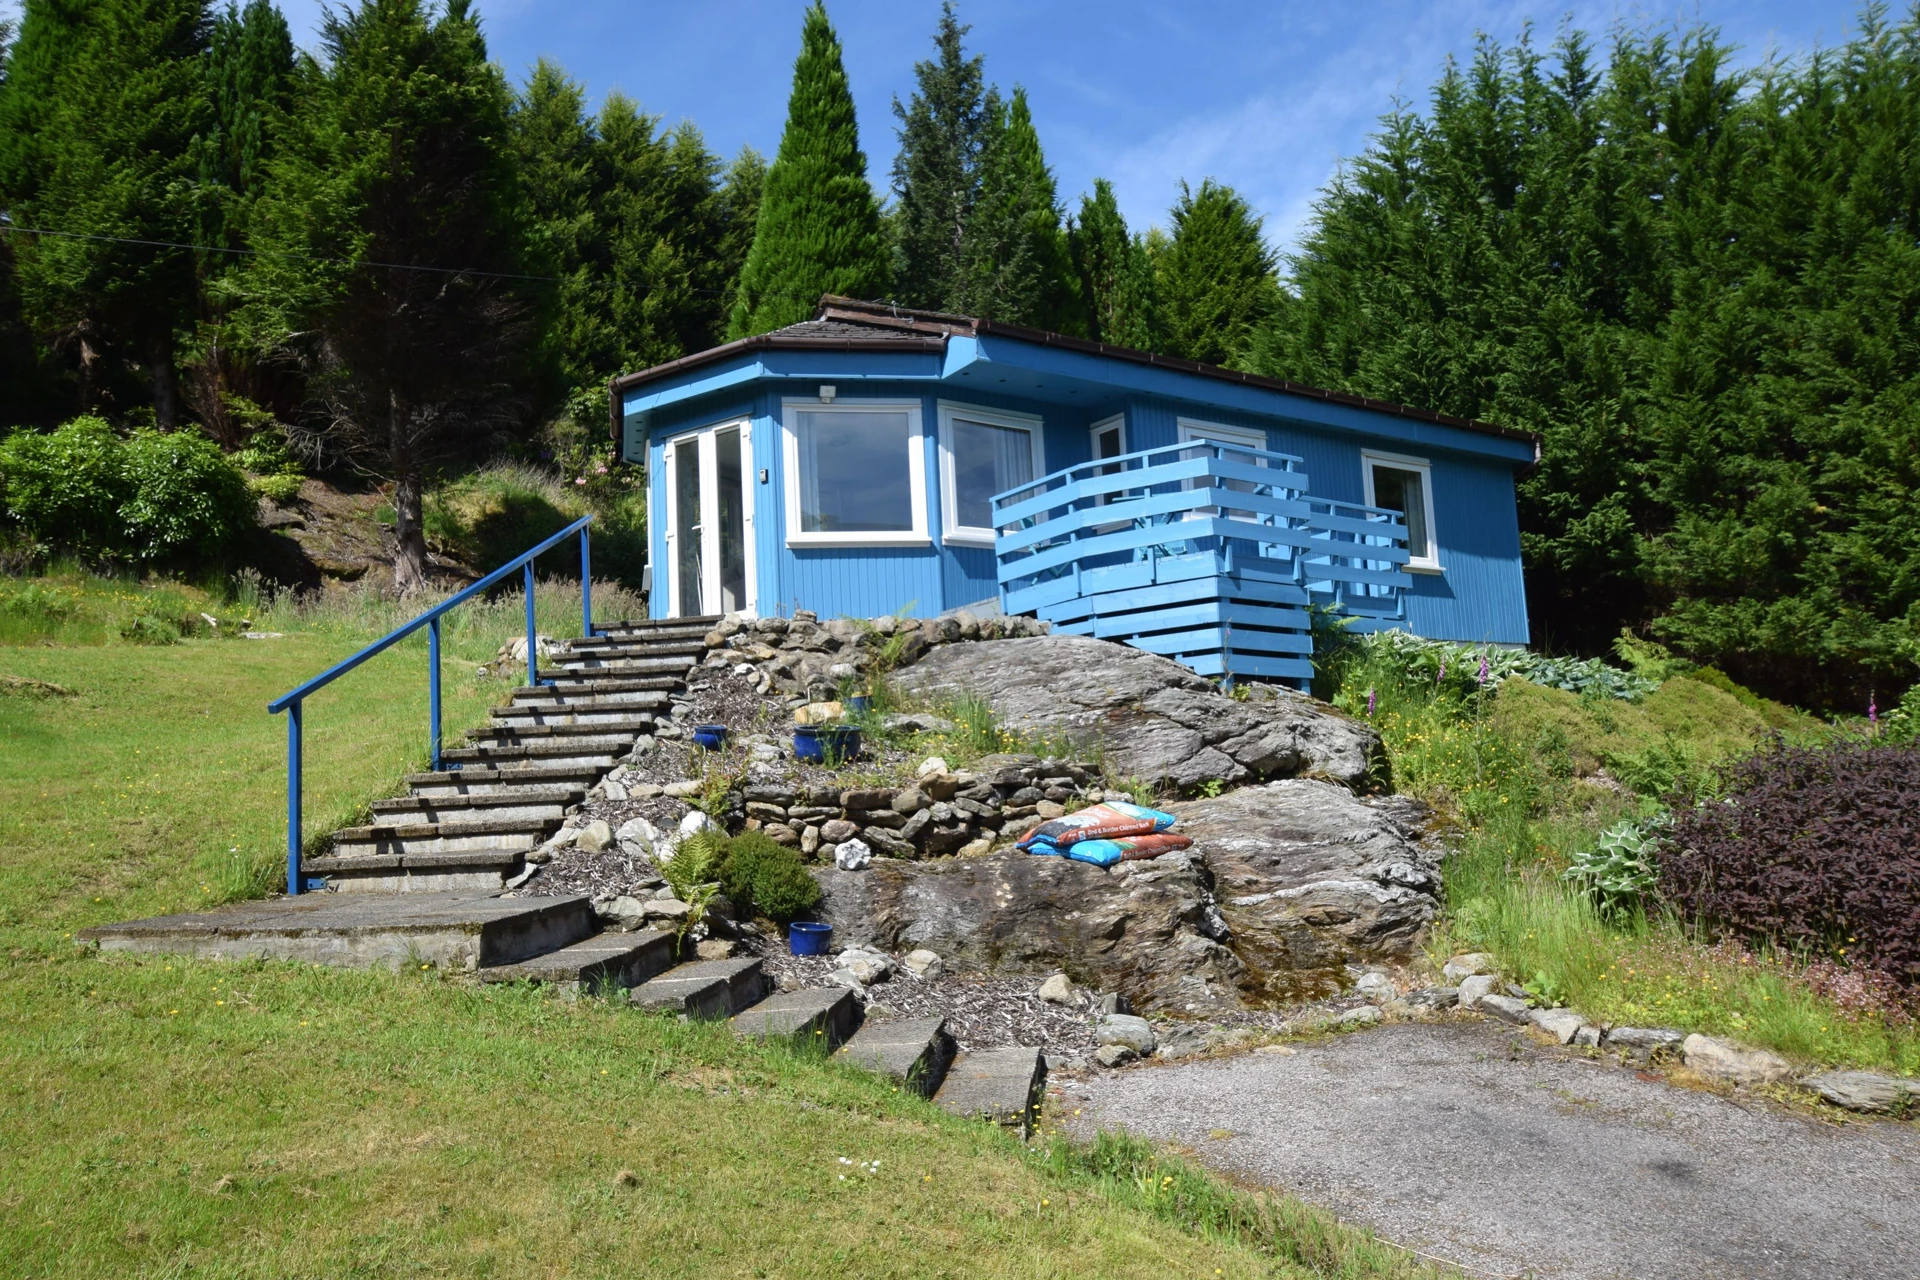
x,y
964,812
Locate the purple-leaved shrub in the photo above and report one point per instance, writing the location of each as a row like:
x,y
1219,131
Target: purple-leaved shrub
x,y
1816,849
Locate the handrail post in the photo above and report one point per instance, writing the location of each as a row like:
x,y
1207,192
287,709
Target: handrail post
x,y
533,669
586,588
433,693
294,874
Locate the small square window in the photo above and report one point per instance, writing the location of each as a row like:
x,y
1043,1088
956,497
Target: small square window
x,y
1406,485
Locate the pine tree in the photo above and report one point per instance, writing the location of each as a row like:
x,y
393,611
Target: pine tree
x,y
1216,277
819,226
102,104
1015,265
1115,274
937,173
392,233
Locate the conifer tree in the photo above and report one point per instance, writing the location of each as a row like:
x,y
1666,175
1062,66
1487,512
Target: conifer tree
x,y
1015,266
249,85
818,229
102,103
740,192
1216,277
937,173
393,235
1114,272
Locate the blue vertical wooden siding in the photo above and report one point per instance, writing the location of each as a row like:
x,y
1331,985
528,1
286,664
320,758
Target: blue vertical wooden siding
x,y
1478,596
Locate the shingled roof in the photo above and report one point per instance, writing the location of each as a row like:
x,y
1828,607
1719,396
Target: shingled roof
x,y
848,324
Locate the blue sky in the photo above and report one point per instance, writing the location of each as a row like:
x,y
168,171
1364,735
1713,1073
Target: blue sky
x,y
1266,97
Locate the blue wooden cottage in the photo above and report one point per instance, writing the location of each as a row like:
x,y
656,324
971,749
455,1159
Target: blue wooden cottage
x,y
875,460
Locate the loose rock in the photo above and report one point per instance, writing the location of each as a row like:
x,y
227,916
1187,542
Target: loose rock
x,y
1059,989
1732,1063
1476,988
925,964
1123,1028
1561,1024
1114,1055
1467,965
1511,1008
1865,1091
1365,1016
852,855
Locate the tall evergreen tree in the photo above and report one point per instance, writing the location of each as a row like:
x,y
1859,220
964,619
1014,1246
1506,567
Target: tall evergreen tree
x,y
937,174
249,79
1115,274
1015,265
1216,278
102,104
741,188
392,233
819,227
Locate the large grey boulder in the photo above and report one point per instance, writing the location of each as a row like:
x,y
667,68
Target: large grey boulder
x,y
1150,931
1311,878
1286,884
1153,719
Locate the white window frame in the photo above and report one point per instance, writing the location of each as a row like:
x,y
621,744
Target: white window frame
x,y
707,441
1423,467
1194,429
951,530
916,474
1101,428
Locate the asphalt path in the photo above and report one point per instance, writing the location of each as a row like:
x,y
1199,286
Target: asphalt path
x,y
1471,1143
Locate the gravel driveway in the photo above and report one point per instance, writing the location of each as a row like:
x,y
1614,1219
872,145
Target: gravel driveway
x,y
1472,1144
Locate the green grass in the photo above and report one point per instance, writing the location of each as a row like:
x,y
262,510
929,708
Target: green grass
x,y
1518,770
169,1117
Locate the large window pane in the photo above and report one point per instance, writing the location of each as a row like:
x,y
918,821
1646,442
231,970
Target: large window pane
x,y
986,460
1402,491
854,476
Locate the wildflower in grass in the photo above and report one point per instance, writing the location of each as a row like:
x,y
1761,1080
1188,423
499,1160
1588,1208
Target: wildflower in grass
x,y
1370,704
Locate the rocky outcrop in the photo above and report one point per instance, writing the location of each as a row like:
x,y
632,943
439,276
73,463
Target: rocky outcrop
x,y
1286,883
1148,929
1153,720
1310,877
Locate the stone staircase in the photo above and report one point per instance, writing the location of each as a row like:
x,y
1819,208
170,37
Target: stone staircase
x,y
471,824
421,883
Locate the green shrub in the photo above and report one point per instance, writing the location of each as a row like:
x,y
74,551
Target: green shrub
x,y
762,875
150,628
280,488
186,496
152,496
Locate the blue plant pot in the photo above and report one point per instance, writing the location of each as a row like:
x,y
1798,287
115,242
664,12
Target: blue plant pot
x,y
710,737
860,704
825,743
805,938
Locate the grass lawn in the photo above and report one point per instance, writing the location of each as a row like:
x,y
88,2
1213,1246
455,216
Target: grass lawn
x,y
160,1116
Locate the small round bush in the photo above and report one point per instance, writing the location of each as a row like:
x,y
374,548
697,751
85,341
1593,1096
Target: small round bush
x,y
762,875
1812,848
186,496
66,487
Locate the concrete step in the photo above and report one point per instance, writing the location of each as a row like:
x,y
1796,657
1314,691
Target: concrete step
x,y
609,649
403,837
584,668
825,1013
539,803
460,931
565,689
468,871
604,962
482,780
639,702
703,989
624,717
699,625
1001,1085
550,754
612,735
914,1051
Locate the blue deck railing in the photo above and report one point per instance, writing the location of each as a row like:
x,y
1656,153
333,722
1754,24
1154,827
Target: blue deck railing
x,y
1204,552
290,702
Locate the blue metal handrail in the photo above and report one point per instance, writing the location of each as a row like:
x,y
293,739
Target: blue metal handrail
x,y
291,700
